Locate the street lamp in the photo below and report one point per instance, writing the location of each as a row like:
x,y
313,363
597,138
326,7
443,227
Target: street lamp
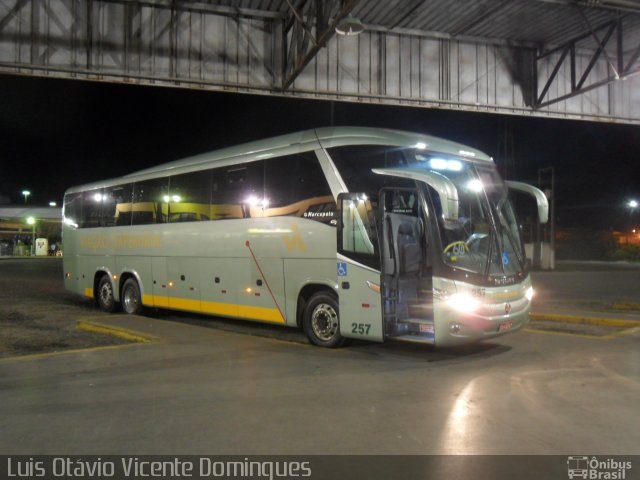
x,y
26,193
633,204
32,221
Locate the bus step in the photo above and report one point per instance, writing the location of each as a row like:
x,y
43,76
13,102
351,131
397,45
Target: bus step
x,y
422,310
416,339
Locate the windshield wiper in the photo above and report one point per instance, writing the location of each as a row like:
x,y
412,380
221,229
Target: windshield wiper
x,y
509,233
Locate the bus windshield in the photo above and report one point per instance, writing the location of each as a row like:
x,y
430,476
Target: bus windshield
x,y
481,235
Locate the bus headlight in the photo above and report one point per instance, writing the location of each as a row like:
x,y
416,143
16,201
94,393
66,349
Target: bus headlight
x,y
529,293
463,302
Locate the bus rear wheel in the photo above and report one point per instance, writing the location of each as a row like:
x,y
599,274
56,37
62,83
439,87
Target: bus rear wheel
x,y
104,295
131,298
321,321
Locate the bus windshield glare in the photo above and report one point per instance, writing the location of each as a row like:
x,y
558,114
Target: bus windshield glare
x,y
483,238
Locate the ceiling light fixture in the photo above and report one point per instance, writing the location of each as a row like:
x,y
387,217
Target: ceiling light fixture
x,y
349,26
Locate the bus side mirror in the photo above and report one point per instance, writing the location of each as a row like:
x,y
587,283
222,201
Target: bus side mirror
x,y
541,198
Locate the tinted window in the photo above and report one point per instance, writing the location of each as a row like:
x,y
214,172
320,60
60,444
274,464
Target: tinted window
x,y
91,209
237,191
116,206
150,201
295,185
73,208
355,163
190,197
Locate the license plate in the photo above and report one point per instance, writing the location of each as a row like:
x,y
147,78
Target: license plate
x,y
426,328
505,326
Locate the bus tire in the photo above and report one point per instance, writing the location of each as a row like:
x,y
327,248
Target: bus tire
x,y
104,296
131,298
321,320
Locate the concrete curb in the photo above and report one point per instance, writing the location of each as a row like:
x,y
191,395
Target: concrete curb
x,y
118,332
607,322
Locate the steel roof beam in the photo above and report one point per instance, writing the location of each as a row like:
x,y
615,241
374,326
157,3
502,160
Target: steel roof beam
x,y
202,7
298,47
611,5
568,53
11,14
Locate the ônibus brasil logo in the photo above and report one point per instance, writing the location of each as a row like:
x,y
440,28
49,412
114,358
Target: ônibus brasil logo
x,y
596,469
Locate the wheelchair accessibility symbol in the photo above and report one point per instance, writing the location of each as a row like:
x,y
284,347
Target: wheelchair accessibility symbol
x,y
342,269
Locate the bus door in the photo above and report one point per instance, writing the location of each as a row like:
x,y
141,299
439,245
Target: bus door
x,y
406,276
358,269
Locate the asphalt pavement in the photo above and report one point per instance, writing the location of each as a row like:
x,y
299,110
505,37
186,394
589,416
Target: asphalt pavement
x,y
605,290
199,387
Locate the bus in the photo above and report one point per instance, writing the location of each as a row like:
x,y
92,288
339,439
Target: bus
x,y
345,232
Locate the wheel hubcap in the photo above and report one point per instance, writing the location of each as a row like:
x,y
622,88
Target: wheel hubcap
x,y
324,321
130,300
106,295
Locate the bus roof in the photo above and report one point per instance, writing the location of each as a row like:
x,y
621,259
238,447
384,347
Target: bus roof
x,y
325,137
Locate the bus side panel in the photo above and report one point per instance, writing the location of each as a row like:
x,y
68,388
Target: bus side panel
x,y
159,297
184,283
70,272
360,302
218,286
261,290
300,272
87,266
140,267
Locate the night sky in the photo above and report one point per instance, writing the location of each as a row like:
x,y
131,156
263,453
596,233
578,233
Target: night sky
x,y
59,133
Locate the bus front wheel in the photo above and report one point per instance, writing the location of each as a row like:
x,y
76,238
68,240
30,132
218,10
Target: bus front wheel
x,y
131,298
321,321
106,300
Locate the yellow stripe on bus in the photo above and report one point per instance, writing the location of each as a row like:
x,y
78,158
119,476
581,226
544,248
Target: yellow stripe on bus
x,y
155,301
88,292
247,312
260,313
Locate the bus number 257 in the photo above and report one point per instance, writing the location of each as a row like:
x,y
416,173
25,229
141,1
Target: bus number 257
x,y
360,328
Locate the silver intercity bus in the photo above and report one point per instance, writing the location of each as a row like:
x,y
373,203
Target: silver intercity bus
x,y
346,232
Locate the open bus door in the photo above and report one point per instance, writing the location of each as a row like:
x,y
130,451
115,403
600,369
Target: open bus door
x,y
358,269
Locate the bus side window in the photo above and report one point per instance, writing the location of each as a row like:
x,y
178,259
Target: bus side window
x,y
150,201
91,208
190,197
295,185
235,190
116,206
72,209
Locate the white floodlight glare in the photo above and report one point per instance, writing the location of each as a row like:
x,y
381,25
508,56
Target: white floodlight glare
x,y
254,201
443,164
475,185
633,204
466,153
463,302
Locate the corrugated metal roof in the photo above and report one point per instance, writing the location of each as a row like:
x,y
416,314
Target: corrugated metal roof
x,y
540,23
